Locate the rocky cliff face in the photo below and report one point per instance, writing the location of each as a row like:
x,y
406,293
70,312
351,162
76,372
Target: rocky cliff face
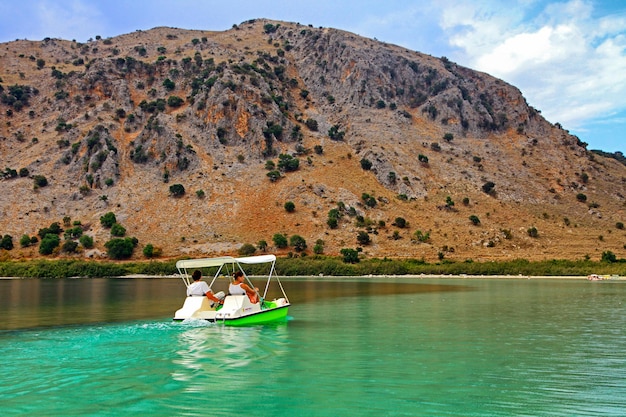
x,y
375,131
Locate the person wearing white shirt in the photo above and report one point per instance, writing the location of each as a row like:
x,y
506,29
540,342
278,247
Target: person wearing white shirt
x,y
201,288
238,287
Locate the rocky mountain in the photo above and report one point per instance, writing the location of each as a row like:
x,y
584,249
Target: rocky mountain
x,y
196,141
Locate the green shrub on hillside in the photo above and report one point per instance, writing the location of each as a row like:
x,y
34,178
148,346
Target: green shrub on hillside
x,y
55,229
169,84
421,236
48,244
6,242
311,124
288,163
273,129
350,256
298,243
39,181
119,248
118,230
332,222
488,187
280,241
177,190
400,222
274,175
149,251
369,200
73,233
318,249
86,241
335,134
333,218
175,101
69,246
608,256
25,241
246,249
108,220
290,207
363,238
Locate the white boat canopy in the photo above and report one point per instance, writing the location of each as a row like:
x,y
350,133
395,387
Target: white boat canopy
x,y
212,262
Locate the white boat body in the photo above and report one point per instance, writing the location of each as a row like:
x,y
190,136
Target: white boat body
x,y
196,307
236,309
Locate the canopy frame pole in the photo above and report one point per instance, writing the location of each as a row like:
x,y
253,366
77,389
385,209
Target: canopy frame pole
x,y
184,276
269,278
280,284
217,274
282,289
261,299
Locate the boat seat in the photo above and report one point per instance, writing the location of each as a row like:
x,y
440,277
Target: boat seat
x,y
237,305
192,307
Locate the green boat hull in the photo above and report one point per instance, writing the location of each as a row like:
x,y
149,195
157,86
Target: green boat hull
x,y
262,317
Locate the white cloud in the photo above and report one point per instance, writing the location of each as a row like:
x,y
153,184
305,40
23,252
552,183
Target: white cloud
x,y
525,49
68,20
569,64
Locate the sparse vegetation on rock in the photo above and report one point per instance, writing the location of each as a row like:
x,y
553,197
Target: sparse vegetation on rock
x,y
102,131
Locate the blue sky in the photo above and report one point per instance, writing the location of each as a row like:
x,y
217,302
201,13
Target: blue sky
x,y
567,57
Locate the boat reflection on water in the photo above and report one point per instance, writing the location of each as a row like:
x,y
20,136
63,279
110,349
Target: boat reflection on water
x,y
209,354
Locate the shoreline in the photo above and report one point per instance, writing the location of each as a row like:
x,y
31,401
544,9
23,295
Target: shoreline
x,y
465,276
408,276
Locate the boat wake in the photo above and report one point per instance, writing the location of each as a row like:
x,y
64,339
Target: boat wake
x,y
192,322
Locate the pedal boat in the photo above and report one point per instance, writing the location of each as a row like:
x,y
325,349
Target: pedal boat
x,y
237,310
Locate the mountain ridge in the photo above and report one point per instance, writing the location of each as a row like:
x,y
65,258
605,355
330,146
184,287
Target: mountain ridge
x,y
118,121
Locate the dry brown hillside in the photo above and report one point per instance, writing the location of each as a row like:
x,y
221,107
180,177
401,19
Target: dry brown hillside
x,y
112,124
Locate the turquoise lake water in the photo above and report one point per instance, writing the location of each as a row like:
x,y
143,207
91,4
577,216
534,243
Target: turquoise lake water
x,y
385,347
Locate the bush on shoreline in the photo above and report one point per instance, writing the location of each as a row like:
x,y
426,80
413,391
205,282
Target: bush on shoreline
x,y
86,269
314,266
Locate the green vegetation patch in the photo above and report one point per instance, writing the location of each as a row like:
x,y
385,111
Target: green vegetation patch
x,y
318,264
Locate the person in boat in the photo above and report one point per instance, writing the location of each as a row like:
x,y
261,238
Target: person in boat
x,y
238,287
201,288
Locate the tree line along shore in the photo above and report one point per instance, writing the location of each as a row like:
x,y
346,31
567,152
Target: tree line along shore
x,y
317,266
